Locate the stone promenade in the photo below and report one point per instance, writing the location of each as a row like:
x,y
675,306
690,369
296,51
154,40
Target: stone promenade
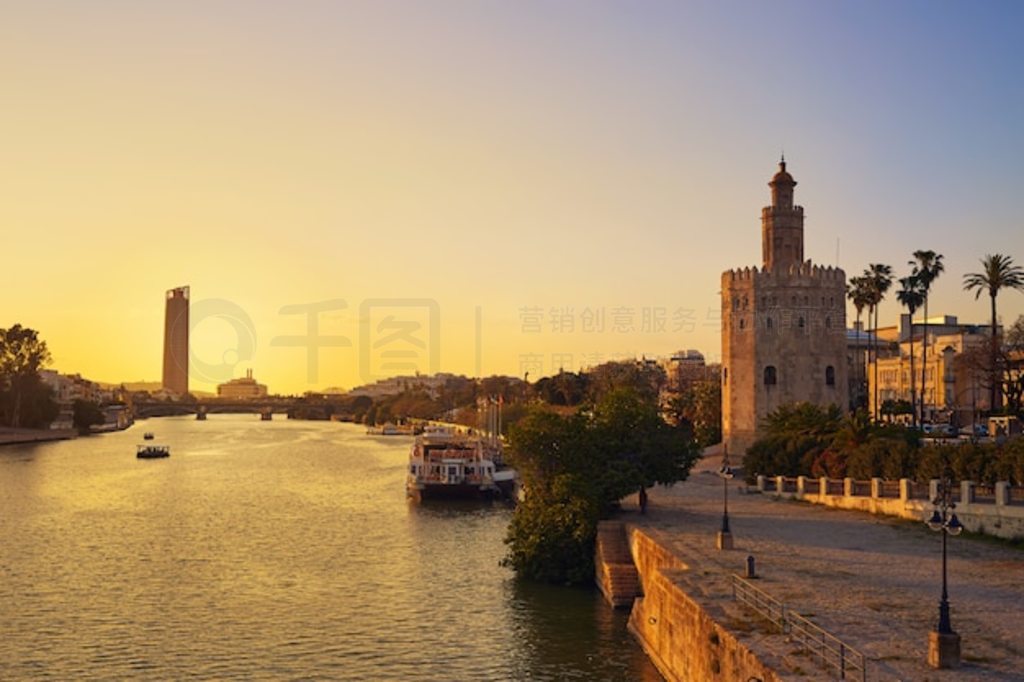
x,y
874,582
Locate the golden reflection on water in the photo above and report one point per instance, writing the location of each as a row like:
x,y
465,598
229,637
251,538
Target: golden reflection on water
x,y
270,550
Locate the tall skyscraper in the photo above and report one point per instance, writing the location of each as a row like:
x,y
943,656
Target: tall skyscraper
x,y
176,341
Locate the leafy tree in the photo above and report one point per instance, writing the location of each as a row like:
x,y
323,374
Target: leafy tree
x,y
576,467
911,296
24,399
700,406
927,268
877,281
645,378
998,273
795,436
86,413
860,294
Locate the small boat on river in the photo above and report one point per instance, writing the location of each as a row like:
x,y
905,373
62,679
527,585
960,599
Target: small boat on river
x,y
153,451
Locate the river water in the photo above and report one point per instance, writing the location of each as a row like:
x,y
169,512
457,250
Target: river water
x,y
271,550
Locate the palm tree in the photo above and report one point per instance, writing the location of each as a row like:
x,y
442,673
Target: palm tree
x,y
911,296
878,280
860,295
927,268
998,272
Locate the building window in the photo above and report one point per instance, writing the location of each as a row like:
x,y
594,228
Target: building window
x,y
743,323
828,322
725,374
801,322
830,376
770,378
769,323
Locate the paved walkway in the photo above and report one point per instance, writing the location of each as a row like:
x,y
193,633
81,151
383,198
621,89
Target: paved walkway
x,y
872,581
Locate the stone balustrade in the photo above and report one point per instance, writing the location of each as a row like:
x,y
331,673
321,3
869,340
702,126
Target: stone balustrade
x,y
996,510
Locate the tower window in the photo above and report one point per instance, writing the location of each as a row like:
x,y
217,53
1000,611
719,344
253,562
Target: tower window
x,y
725,374
743,323
770,378
828,322
830,376
769,323
801,323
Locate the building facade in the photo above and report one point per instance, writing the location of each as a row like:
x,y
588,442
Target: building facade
x,y
242,388
956,385
176,328
783,326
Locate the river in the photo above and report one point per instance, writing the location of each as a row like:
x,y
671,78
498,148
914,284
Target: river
x,y
271,550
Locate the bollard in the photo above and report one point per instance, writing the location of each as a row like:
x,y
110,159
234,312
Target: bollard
x,y
751,572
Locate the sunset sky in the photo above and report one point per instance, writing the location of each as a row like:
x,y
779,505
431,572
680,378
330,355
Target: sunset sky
x,y
491,161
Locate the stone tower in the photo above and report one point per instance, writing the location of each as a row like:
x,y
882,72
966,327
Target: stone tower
x,y
783,327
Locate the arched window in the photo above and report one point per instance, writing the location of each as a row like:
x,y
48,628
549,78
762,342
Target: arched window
x,y
830,376
828,322
801,323
770,378
743,323
769,323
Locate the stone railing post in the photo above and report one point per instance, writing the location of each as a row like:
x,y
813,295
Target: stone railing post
x,y
780,485
933,490
823,486
801,486
876,488
967,492
847,487
1002,493
760,483
904,489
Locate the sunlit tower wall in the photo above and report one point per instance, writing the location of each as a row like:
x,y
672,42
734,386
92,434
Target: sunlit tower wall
x,y
176,341
783,326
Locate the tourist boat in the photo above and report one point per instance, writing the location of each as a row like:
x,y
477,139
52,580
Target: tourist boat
x,y
148,435
153,451
445,464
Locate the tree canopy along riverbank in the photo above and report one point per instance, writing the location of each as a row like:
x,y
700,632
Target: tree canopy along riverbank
x,y
575,468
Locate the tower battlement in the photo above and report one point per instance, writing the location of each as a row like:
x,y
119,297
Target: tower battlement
x,y
791,275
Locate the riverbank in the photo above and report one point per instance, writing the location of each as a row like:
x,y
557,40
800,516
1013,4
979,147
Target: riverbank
x,y
9,436
872,582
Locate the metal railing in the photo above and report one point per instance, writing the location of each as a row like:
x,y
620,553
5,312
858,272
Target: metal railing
x,y
832,652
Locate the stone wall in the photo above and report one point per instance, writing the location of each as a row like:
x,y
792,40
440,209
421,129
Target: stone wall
x,y
684,638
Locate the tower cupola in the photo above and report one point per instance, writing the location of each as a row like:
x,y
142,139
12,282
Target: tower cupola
x,y
782,224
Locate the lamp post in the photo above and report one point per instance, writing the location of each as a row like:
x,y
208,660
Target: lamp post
x,y
724,539
943,642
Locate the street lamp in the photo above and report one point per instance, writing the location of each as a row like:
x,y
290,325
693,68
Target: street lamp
x,y
724,539
943,642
